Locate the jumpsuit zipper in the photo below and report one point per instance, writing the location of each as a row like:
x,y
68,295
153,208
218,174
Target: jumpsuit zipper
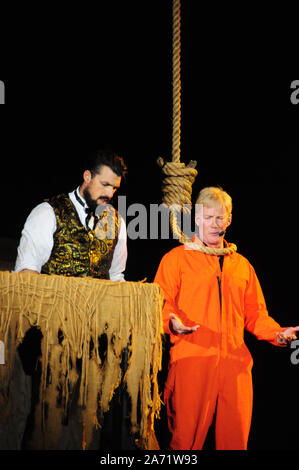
x,y
219,290
219,284
220,371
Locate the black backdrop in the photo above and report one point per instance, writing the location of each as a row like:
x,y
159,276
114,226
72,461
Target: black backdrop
x,y
77,77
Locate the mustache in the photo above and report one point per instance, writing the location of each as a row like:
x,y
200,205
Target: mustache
x,y
92,203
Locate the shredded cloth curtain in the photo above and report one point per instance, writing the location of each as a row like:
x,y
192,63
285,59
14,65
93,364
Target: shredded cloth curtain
x,y
72,314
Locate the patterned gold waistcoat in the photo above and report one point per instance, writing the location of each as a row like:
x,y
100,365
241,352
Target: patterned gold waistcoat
x,y
76,251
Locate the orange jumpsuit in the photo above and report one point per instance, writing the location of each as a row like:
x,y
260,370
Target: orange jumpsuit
x,y
210,369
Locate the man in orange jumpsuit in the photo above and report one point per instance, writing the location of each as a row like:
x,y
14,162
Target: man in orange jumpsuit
x,y
209,301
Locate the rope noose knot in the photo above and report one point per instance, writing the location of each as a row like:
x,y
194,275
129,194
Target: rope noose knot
x,y
177,184
176,195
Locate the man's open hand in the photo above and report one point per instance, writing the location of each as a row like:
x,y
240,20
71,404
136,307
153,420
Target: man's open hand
x,y
177,326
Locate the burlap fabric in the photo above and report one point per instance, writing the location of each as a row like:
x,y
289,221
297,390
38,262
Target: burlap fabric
x,y
72,315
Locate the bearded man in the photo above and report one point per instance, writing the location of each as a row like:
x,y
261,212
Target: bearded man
x,y
64,236
75,234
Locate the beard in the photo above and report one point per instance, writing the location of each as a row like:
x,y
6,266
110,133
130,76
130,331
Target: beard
x,y
92,203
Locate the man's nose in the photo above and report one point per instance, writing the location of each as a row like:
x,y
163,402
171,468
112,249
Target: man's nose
x,y
109,191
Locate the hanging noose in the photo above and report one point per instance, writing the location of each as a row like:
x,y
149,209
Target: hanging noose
x,y
179,178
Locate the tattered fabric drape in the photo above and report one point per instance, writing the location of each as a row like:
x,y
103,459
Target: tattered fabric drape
x,y
72,314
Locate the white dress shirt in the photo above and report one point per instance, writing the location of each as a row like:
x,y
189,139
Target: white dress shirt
x,y
37,240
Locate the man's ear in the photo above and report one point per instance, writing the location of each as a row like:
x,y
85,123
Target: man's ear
x,y
197,219
86,176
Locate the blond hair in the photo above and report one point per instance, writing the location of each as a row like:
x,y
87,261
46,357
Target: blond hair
x,y
215,196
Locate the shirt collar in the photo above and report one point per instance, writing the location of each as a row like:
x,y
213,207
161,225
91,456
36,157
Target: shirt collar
x,y
81,201
196,239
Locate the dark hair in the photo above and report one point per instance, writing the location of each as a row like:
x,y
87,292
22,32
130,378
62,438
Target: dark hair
x,y
108,158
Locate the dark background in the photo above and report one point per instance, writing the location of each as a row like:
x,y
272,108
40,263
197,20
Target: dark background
x,y
78,78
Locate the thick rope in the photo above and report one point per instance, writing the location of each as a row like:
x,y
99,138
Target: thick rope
x,y
179,178
176,81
